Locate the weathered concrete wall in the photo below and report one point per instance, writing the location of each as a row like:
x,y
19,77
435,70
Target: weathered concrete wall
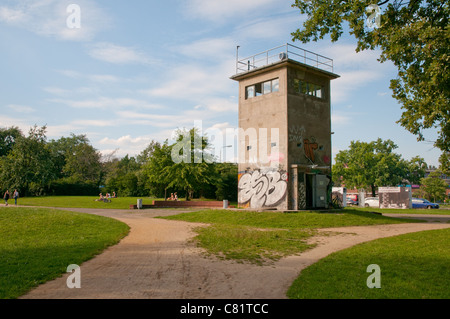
x,y
304,127
309,121
263,184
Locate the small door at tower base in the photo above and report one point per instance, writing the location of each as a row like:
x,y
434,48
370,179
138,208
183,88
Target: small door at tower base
x,y
321,191
316,191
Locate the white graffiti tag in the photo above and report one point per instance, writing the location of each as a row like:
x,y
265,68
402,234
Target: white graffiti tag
x,y
262,189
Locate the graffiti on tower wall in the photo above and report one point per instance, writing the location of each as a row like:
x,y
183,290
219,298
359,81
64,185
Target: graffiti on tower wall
x,y
262,189
301,196
310,147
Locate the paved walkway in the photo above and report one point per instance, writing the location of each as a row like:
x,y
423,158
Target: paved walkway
x,y
158,260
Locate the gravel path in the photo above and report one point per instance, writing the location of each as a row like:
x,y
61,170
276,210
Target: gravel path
x,y
156,260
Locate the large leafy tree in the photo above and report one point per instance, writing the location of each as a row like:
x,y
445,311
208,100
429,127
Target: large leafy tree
x,y
76,159
156,179
414,35
8,137
28,166
369,165
192,169
416,170
434,187
123,178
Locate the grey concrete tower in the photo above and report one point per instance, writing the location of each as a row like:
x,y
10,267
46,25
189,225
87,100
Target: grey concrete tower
x,y
284,129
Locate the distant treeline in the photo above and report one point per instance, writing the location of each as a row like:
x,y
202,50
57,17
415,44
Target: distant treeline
x,y
72,166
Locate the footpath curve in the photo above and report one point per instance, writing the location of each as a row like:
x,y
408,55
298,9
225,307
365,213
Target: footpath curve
x,y
158,261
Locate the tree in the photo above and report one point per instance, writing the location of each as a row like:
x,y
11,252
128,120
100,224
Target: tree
x,y
77,166
227,181
444,161
123,178
156,179
28,166
191,169
369,165
8,137
416,170
414,35
434,186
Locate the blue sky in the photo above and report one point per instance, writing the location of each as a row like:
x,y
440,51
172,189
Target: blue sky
x,y
136,70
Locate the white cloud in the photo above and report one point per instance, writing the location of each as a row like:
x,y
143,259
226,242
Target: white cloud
x,y
21,108
104,78
128,145
221,11
209,49
339,119
268,28
49,18
22,124
350,81
107,103
11,16
75,91
96,123
125,141
116,54
356,70
221,105
195,82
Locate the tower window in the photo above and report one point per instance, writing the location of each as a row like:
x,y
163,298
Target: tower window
x,y
262,88
267,87
275,85
258,89
307,88
250,91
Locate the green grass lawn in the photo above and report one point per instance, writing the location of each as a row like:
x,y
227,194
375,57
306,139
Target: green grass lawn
x,y
402,211
37,244
81,202
262,237
412,266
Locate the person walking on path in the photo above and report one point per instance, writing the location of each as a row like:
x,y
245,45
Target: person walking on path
x,y
15,196
6,197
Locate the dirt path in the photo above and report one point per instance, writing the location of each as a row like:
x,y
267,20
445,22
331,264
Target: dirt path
x,y
156,260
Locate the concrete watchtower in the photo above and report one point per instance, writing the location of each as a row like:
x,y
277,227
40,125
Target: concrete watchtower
x,y
285,129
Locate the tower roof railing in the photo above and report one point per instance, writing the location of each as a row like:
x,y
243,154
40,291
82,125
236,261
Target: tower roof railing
x,y
283,52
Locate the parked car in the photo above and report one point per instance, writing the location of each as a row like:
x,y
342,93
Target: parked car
x,y
372,202
423,203
351,202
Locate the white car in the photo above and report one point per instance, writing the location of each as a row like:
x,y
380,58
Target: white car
x,y
372,202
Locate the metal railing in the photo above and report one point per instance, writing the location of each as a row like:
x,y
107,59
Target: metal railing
x,y
283,52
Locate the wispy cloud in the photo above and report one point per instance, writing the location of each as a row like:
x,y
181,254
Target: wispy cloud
x,y
21,108
195,82
106,103
338,119
221,11
49,18
117,54
356,70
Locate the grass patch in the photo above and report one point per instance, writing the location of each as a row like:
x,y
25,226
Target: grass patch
x,y
302,220
414,211
38,244
247,244
413,266
81,202
264,237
